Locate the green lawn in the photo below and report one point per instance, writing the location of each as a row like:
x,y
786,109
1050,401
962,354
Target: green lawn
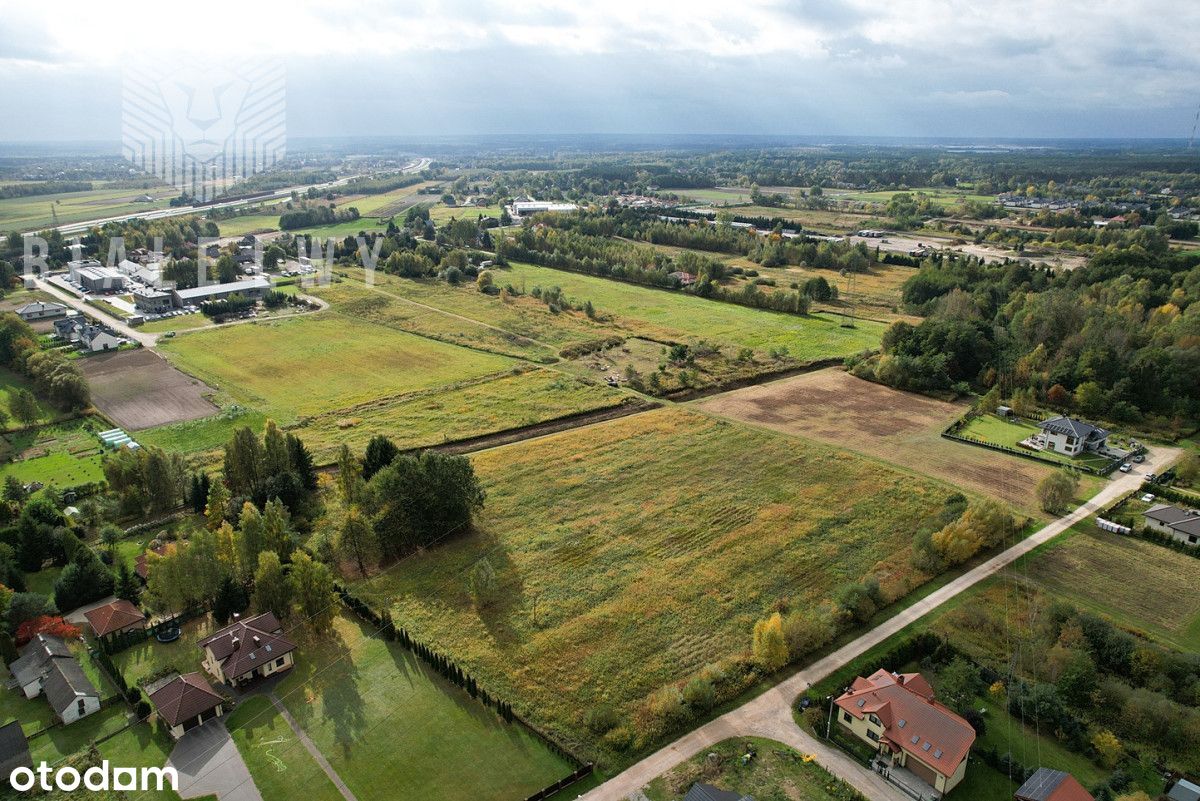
x,y
140,746
249,224
43,580
33,212
998,431
671,315
277,759
393,729
151,656
775,772
10,382
59,468
65,453
313,364
182,323
204,434
612,589
62,741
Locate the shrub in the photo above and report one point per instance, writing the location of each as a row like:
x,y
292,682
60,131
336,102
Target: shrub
x,y
601,719
768,645
699,694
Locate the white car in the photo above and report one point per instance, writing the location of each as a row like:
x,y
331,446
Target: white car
x,y
1125,468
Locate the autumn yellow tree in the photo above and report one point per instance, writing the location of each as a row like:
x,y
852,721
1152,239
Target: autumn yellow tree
x,y
768,646
1108,748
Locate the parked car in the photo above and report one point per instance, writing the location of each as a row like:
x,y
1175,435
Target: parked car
x,y
1125,468
1139,458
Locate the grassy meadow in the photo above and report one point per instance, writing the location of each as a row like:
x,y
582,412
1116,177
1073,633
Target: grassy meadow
x,y
631,553
664,314
33,212
392,728
309,365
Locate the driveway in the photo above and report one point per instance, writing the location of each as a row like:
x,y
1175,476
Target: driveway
x,y
209,763
770,714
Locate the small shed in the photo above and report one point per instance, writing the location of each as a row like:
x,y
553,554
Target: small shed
x,y
1004,411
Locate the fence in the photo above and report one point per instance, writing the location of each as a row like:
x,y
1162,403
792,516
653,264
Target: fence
x,y
576,775
951,432
449,670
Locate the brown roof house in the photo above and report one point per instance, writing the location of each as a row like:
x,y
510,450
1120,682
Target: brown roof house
x,y
897,714
115,618
1052,785
248,649
185,702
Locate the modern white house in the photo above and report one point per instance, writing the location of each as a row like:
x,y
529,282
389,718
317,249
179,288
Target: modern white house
x,y
1181,525
1072,437
40,310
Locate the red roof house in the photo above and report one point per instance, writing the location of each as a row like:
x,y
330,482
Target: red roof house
x,y
115,617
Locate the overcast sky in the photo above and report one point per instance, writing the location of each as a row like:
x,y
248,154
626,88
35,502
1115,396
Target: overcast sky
x,y
854,67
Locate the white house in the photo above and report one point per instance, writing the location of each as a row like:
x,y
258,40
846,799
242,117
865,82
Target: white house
x,y
1072,437
46,666
248,649
1182,525
95,339
39,310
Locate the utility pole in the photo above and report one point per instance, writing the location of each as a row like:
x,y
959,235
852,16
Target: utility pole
x,y
829,724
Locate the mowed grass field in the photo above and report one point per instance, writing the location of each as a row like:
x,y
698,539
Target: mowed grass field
x,y
664,314
898,427
631,553
392,728
278,761
1010,433
312,364
33,212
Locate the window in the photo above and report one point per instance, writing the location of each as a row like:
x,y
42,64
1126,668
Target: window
x,y
279,662
82,707
872,735
846,716
874,720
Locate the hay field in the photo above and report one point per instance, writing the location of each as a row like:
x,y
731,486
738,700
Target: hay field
x,y
631,553
898,427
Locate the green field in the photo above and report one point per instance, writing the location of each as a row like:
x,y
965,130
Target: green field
x,y
185,322
775,772
278,761
65,454
204,434
611,585
441,214
151,657
391,728
33,213
141,746
312,364
10,382
1009,433
937,194
663,314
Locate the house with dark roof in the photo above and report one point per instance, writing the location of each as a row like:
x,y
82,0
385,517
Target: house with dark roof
x,y
248,649
1182,525
115,618
14,748
40,310
1052,785
185,701
1072,437
706,792
896,714
70,694
30,668
141,565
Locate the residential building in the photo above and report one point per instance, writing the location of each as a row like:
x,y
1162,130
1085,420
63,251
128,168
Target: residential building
x,y
1052,785
141,565
523,208
1072,437
248,649
29,669
254,287
1182,525
40,310
96,339
70,694
184,702
46,666
14,748
896,713
706,792
68,328
115,618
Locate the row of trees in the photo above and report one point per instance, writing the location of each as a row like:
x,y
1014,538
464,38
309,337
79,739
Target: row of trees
x,y
56,377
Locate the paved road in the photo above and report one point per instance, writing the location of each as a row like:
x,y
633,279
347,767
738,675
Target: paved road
x,y
209,763
770,714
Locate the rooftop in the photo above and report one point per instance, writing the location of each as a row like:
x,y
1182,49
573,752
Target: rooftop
x,y
113,617
245,644
1074,428
65,683
201,292
184,697
1052,785
912,720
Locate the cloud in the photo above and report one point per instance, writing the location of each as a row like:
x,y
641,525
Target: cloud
x,y
800,66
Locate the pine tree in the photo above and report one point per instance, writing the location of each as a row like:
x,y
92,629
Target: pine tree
x,y
217,505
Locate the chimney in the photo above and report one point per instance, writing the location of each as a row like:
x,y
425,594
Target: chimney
x,y
257,641
236,642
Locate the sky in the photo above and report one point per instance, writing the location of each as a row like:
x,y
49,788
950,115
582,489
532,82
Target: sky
x,y
989,68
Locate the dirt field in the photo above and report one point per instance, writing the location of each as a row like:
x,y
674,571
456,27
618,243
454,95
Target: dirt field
x,y
138,389
899,427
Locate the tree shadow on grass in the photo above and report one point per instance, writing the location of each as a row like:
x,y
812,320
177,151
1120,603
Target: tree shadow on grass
x,y
501,606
